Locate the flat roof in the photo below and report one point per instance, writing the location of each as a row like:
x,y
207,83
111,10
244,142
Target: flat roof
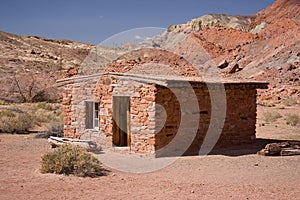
x,y
166,80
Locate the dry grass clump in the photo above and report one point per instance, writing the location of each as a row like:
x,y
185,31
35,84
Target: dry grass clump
x,y
20,118
292,119
70,159
290,101
271,116
269,103
15,121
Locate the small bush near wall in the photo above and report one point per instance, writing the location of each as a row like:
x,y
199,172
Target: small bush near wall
x,y
70,159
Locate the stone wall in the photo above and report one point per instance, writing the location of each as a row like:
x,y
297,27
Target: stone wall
x,y
239,126
102,89
168,117
74,97
157,117
142,111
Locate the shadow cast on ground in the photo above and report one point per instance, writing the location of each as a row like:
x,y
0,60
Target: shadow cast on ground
x,y
245,149
234,151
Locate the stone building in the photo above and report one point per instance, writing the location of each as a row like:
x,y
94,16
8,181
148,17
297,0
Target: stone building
x,y
145,114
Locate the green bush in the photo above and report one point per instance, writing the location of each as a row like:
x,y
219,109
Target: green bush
x,y
70,159
292,119
271,116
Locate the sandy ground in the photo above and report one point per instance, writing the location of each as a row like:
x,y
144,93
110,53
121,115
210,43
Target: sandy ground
x,y
237,173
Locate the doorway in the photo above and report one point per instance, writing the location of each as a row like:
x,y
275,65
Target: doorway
x,y
121,121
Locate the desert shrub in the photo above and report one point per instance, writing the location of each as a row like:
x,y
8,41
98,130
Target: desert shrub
x,y
2,102
46,113
45,106
7,113
6,125
43,116
271,116
268,103
50,116
19,118
31,87
54,129
15,121
24,122
281,107
70,159
290,101
292,119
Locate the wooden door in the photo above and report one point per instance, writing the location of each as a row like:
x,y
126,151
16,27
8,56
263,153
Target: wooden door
x,y
121,121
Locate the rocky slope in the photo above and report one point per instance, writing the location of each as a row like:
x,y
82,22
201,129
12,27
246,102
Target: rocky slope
x,y
264,46
40,54
35,62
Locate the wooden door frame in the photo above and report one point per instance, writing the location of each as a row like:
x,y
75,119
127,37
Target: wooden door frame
x,y
117,117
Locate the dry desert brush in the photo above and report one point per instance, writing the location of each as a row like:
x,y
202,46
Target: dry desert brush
x,y
71,159
271,116
15,121
292,119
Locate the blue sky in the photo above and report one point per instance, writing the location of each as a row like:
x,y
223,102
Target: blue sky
x,y
93,21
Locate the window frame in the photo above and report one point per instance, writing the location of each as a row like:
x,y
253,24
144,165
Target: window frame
x,y
92,115
96,118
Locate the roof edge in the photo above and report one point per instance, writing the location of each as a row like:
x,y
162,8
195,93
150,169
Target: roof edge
x,y
163,80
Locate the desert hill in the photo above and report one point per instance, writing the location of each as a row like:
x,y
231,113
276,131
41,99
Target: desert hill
x,y
40,54
35,62
264,46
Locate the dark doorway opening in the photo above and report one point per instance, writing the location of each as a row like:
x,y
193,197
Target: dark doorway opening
x,y
121,121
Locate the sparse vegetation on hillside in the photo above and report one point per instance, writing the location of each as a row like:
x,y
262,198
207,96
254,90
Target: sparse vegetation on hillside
x,y
29,87
292,119
21,118
271,116
289,101
35,63
15,121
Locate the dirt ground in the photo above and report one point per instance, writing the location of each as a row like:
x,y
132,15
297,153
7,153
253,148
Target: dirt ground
x,y
237,173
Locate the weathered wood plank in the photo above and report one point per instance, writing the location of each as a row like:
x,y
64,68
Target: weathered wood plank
x,y
289,148
56,142
290,152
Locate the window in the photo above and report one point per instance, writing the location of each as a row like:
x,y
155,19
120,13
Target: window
x,y
92,115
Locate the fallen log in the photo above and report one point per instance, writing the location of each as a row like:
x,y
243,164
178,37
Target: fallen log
x,y
56,142
289,148
290,152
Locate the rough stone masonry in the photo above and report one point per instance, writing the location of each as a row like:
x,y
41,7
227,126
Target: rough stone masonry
x,y
155,112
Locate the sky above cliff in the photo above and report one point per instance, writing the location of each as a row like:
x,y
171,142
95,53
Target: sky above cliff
x,y
93,21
